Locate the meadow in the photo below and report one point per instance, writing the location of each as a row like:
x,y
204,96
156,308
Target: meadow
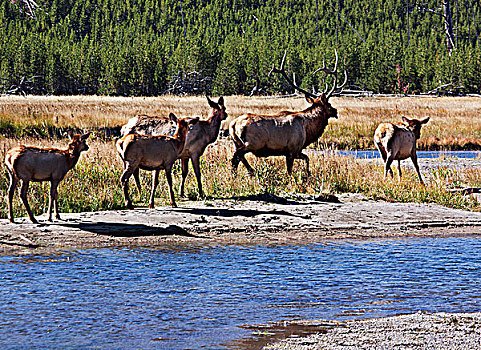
x,y
94,183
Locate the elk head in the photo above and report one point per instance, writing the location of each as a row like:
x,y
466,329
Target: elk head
x,y
78,143
415,125
218,107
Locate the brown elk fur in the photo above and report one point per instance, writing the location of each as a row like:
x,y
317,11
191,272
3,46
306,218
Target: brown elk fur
x,y
283,134
397,141
152,153
198,138
28,163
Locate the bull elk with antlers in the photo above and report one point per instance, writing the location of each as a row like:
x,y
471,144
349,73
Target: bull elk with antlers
x,y
285,133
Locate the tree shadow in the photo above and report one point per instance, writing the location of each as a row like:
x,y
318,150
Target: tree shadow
x,y
129,230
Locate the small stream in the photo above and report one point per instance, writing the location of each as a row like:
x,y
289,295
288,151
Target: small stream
x,y
194,297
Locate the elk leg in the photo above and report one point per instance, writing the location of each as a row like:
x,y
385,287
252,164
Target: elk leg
x,y
387,167
289,164
55,207
399,168
53,200
155,183
196,165
11,192
414,158
239,156
235,161
168,174
184,163
136,175
306,159
382,151
124,181
23,196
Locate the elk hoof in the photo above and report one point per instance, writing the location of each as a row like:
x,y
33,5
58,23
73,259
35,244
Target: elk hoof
x,y
151,206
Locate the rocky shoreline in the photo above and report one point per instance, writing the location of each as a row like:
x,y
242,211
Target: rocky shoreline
x,y
440,331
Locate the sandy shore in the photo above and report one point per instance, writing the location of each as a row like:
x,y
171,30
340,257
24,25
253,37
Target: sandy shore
x,y
267,220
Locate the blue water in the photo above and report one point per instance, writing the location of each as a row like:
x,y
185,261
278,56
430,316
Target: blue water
x,y
370,154
199,297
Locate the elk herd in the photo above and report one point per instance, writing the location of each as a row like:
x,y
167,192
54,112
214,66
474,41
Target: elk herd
x,y
155,142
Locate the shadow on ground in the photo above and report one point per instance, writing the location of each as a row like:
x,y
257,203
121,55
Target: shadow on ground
x,y
233,212
129,230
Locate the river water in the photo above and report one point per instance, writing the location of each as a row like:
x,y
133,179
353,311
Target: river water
x,y
371,154
194,297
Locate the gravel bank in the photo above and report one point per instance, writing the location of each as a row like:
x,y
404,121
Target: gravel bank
x,y
440,331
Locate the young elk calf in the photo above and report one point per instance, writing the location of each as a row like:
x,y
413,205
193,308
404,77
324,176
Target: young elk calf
x,y
397,141
29,163
149,152
198,138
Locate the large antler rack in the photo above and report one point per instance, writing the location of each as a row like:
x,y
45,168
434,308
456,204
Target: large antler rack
x,y
292,82
289,81
332,72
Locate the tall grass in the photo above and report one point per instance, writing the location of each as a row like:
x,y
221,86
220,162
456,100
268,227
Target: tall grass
x,y
94,183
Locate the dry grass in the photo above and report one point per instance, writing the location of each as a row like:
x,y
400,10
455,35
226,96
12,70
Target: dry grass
x,y
94,183
455,122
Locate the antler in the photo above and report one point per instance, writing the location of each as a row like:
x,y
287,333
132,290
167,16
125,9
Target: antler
x,y
323,69
289,81
333,72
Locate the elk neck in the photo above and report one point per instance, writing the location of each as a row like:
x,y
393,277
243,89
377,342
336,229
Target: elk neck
x,y
315,122
211,126
179,136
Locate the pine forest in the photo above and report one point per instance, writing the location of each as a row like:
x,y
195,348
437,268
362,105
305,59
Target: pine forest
x,y
155,47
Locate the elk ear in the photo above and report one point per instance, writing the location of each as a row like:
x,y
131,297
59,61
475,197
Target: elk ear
x,y
221,101
193,121
212,104
424,121
84,136
404,119
69,134
172,117
309,99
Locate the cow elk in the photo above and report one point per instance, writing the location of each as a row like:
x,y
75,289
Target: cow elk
x,y
28,163
150,152
397,141
198,138
285,133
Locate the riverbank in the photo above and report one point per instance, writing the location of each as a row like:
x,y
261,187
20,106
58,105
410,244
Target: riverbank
x,y
440,331
263,219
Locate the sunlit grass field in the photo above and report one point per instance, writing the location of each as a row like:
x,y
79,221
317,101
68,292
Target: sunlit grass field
x,y
94,183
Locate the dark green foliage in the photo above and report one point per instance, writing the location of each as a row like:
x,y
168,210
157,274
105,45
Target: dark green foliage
x,y
149,47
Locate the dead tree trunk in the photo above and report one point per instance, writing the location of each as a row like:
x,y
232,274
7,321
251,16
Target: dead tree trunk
x,y
448,25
